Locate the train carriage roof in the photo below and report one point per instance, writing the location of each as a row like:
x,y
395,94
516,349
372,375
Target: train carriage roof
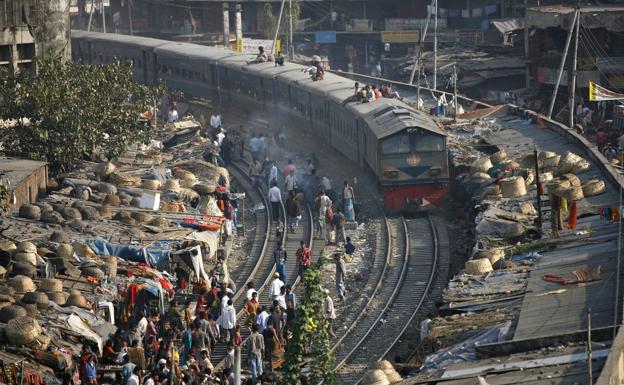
x,y
122,39
387,116
193,51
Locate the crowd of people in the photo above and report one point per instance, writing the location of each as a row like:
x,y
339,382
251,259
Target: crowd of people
x,y
177,347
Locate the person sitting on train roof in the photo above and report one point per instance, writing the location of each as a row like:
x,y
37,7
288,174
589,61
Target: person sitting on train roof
x,y
369,95
279,59
260,58
172,115
376,92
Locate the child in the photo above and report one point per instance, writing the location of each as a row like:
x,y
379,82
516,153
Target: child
x,y
279,230
238,340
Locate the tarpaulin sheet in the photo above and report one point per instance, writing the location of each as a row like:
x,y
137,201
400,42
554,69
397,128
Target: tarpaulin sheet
x,y
78,326
466,351
156,255
211,238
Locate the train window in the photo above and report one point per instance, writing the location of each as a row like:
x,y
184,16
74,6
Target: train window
x,y
398,144
427,143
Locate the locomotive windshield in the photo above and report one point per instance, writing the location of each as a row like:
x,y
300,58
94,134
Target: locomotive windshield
x,y
405,143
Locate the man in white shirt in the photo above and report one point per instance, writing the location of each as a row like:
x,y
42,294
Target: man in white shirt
x,y
220,137
172,115
291,182
134,378
329,311
272,174
227,321
275,288
250,290
215,120
262,319
275,197
281,298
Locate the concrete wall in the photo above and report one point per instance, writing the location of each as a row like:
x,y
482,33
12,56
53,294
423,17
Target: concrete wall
x,y
613,371
31,188
53,30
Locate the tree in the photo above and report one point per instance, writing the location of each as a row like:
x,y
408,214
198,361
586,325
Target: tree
x,y
270,20
311,334
66,110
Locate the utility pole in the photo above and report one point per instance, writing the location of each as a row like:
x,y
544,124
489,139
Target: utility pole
x,y
562,64
90,15
539,196
239,28
589,348
237,366
291,49
572,83
435,46
130,17
456,102
526,47
279,21
421,41
103,17
226,26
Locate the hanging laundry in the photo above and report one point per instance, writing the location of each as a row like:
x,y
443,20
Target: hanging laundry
x,y
608,213
601,211
540,188
615,214
572,217
564,204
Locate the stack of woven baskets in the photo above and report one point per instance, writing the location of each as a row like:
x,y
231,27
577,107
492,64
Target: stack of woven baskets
x,y
53,288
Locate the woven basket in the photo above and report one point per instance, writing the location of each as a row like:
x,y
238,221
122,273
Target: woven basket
x,y
551,161
573,179
38,298
31,258
185,175
528,175
51,217
150,184
92,272
111,200
546,176
44,206
574,194
141,217
498,157
581,167
205,188
90,213
593,187
23,268
135,202
7,246
171,185
6,299
558,187
109,266
187,183
30,211
70,213
124,180
26,247
527,208
480,165
376,376
65,250
383,365
478,266
59,237
159,221
514,230
77,300
567,162
31,309
125,198
22,330
106,212
513,187
9,312
122,215
58,298
492,255
7,290
107,188
490,191
480,177
105,169
393,375
50,285
503,264
186,194
543,155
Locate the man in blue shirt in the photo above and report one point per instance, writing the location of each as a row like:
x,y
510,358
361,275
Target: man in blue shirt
x,y
349,247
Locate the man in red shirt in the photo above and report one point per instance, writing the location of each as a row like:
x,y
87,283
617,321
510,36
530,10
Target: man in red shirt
x,y
377,92
304,256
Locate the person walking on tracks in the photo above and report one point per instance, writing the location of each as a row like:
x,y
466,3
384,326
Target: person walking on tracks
x,y
304,258
341,274
347,201
275,197
329,312
276,286
322,208
280,256
255,349
293,211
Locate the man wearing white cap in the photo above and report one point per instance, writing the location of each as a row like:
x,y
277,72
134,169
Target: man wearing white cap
x,y
276,286
328,311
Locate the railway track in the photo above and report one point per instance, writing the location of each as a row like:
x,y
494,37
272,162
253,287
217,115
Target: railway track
x,y
413,253
262,273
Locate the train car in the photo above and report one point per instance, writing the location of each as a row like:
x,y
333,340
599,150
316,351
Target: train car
x,y
402,147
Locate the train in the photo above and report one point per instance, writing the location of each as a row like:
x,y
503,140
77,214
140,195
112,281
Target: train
x,y
402,147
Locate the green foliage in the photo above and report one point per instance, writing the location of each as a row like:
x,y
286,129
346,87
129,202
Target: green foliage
x,y
311,335
71,107
270,20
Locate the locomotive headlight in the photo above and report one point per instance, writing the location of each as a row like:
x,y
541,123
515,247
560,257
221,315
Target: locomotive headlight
x,y
413,159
